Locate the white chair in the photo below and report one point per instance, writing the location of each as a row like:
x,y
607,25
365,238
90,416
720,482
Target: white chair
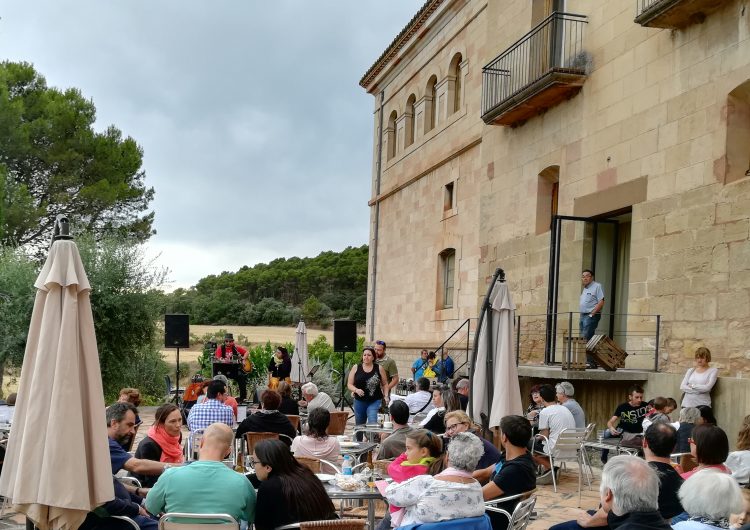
x,y
213,521
568,448
521,515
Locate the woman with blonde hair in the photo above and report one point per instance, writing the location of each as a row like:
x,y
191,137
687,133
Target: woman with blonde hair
x,y
699,380
739,461
458,421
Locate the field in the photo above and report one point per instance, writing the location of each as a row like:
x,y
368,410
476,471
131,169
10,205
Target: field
x,y
255,334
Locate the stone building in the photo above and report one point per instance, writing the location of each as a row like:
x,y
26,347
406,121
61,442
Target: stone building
x,y
549,136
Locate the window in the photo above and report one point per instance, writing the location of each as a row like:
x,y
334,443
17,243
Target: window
x,y
430,119
548,186
409,125
455,72
448,273
738,134
448,197
390,136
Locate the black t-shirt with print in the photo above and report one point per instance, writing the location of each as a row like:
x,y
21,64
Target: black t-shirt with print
x,y
631,417
516,476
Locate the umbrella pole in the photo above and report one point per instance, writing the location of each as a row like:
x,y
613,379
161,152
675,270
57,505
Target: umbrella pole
x,y
30,525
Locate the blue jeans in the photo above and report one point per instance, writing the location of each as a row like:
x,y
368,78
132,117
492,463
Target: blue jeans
x,y
573,525
587,327
605,452
365,412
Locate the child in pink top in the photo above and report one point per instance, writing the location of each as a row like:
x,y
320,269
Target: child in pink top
x,y
422,448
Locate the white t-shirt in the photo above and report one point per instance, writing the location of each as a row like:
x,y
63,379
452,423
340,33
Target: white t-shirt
x,y
420,401
556,418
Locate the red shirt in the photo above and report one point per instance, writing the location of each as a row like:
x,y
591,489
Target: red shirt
x,y
242,351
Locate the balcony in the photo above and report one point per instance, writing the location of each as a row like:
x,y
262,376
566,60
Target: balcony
x,y
544,68
674,14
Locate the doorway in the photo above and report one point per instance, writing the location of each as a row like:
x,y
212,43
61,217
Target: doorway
x,y
601,244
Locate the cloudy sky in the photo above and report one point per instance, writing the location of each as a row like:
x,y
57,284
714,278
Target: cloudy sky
x,y
256,134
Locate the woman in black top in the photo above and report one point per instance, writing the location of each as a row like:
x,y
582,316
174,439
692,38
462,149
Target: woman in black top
x,y
279,368
288,405
367,382
289,492
445,401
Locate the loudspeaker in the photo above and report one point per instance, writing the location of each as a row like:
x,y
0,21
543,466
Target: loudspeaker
x,y
344,335
176,331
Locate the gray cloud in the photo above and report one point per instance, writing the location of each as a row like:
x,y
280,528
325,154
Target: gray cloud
x,y
255,132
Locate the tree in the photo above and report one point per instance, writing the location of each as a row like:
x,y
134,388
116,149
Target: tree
x,y
53,162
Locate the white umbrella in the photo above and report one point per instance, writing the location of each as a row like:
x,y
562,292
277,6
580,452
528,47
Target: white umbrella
x,y
502,384
57,465
299,364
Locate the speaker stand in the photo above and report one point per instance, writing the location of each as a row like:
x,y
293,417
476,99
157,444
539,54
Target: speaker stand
x,y
176,399
344,376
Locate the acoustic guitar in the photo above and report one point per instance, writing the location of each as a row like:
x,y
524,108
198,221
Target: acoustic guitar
x,y
246,365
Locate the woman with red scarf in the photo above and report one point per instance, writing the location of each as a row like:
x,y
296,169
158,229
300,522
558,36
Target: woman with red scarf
x,y
163,442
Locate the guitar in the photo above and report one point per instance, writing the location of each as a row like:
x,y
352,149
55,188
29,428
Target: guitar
x,y
246,365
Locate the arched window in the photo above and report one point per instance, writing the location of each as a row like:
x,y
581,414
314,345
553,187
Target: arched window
x,y
455,71
390,136
447,277
430,119
548,186
738,134
409,125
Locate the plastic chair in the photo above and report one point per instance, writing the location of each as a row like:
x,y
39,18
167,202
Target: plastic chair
x,y
252,438
294,420
521,515
311,463
337,426
213,521
333,524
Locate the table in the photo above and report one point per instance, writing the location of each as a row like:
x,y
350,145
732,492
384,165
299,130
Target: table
x,y
360,449
613,444
334,492
371,430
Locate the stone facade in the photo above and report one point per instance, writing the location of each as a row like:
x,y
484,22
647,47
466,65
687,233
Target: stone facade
x,y
658,138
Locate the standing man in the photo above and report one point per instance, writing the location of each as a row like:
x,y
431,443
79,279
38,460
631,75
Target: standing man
x,y
628,417
417,369
564,392
388,364
224,352
590,305
445,367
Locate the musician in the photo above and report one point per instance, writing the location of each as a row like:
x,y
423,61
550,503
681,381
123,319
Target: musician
x,y
225,352
279,368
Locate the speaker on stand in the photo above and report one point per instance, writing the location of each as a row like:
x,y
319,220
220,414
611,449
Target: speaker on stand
x,y
344,341
177,335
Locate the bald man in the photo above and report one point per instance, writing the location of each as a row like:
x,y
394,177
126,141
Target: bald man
x,y
205,486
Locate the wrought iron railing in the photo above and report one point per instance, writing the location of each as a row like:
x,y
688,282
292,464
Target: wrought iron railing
x,y
555,44
458,344
645,5
637,334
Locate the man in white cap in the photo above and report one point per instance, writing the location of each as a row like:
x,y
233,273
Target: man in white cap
x,y
564,392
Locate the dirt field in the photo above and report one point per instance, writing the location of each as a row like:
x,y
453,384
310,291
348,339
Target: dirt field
x,y
255,334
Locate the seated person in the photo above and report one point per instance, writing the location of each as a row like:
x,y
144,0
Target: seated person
x,y
553,419
124,504
193,391
121,426
132,396
710,498
317,443
710,448
229,401
312,397
212,410
517,473
658,413
739,461
458,421
163,442
451,494
288,492
205,486
288,405
688,418
268,419
395,444
463,387
445,401
419,401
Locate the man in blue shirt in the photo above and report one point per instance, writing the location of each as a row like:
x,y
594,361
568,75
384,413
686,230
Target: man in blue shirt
x,y
120,426
213,410
417,368
590,305
445,367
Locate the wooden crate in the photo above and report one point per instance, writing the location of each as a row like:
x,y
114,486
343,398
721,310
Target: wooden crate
x,y
607,354
577,353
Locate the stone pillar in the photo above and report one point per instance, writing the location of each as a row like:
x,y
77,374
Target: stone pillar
x,y
463,73
389,143
446,96
423,117
400,133
405,124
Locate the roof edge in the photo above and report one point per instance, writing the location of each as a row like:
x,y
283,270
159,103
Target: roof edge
x,y
400,41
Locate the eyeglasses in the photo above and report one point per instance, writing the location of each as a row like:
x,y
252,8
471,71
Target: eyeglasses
x,y
228,342
451,428
252,461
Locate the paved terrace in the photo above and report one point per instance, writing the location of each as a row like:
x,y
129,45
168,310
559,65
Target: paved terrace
x,y
551,507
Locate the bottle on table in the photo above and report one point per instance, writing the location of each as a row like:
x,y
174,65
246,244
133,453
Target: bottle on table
x,y
346,467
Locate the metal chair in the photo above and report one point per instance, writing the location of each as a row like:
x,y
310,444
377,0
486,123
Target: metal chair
x,y
130,481
128,521
333,524
568,448
521,515
214,521
337,426
192,444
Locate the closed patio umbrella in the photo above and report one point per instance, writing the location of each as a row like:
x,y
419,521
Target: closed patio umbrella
x,y
300,367
494,382
57,465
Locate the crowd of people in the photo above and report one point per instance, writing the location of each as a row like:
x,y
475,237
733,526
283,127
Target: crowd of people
x,y
441,465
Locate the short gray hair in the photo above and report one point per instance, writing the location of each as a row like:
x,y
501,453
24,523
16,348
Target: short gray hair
x,y
463,383
116,411
311,389
464,451
712,494
689,415
565,388
633,483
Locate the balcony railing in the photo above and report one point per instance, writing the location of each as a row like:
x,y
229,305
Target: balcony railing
x,y
543,68
674,14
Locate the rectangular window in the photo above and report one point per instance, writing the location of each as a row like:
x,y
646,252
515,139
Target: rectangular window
x,y
448,197
449,269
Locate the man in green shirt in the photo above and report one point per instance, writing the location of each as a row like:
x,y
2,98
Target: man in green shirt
x,y
388,364
206,486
